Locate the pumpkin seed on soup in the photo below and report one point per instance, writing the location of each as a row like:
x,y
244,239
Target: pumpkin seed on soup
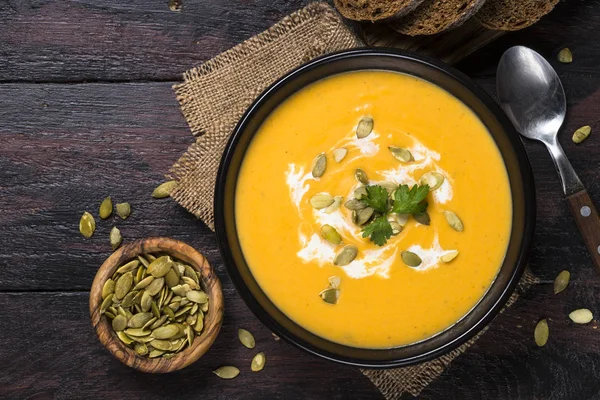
x,y
562,281
449,256
346,255
433,179
361,176
541,333
330,295
364,215
355,204
337,201
87,225
454,221
330,234
319,165
335,281
422,218
364,127
339,154
401,154
321,200
411,259
246,338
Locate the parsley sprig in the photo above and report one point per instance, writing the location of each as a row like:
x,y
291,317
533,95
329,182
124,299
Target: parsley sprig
x,y
406,201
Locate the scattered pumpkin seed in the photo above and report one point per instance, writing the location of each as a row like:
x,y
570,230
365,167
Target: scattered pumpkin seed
x,y
364,127
433,179
355,204
246,338
364,215
123,210
226,372
87,225
258,362
565,56
330,234
337,201
164,189
562,281
330,295
106,208
541,333
454,221
361,176
339,154
319,165
401,154
411,259
115,238
422,218
581,316
346,255
449,256
581,134
321,200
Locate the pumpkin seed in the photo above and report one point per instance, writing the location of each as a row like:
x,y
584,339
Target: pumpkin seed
x,y
171,278
581,134
106,208
401,154
146,301
155,286
130,266
108,288
156,353
355,204
197,296
337,201
158,322
433,179
562,281
124,338
170,313
402,219
123,285
115,238
109,314
192,283
411,259
319,165
359,192
565,56
189,332
123,210
321,200
258,362
165,332
160,267
161,344
119,323
339,154
143,283
454,221
346,255
364,127
137,332
581,316
150,322
204,307
330,295
246,338
181,290
140,349
87,225
396,227
199,323
164,189
143,261
128,300
361,176
364,215
422,218
389,186
226,372
139,320
449,256
149,257
331,234
335,281
139,275
541,333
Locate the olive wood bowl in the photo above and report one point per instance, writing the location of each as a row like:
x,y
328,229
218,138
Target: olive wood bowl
x,y
210,284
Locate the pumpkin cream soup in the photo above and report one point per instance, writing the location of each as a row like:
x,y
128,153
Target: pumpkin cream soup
x,y
373,208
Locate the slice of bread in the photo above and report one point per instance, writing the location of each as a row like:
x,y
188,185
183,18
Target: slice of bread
x,y
511,15
374,10
435,16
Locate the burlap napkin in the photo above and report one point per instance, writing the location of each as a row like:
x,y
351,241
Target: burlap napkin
x,y
214,96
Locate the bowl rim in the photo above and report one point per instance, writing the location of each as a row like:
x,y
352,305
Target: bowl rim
x,y
523,248
211,285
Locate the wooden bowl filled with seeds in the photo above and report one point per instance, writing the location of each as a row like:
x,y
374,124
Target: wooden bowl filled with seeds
x,y
156,305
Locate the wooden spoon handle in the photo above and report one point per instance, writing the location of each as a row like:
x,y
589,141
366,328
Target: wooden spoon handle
x,y
588,222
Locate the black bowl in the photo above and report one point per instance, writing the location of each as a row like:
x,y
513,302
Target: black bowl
x,y
515,159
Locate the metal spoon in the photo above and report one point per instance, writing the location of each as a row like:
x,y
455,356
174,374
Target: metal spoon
x,y
533,97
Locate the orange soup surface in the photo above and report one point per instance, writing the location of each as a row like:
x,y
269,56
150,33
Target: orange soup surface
x,y
377,300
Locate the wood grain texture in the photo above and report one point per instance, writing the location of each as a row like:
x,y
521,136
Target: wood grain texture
x,y
66,144
212,319
586,217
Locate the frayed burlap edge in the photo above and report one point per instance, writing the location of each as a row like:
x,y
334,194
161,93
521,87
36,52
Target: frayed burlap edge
x,y
214,95
393,383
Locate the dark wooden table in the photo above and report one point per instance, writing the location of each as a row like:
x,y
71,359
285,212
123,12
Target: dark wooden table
x,y
87,110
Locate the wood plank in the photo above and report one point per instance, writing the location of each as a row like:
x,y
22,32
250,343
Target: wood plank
x,y
66,147
55,354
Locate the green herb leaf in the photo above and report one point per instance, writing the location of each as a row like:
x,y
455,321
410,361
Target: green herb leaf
x,y
376,198
410,201
379,230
